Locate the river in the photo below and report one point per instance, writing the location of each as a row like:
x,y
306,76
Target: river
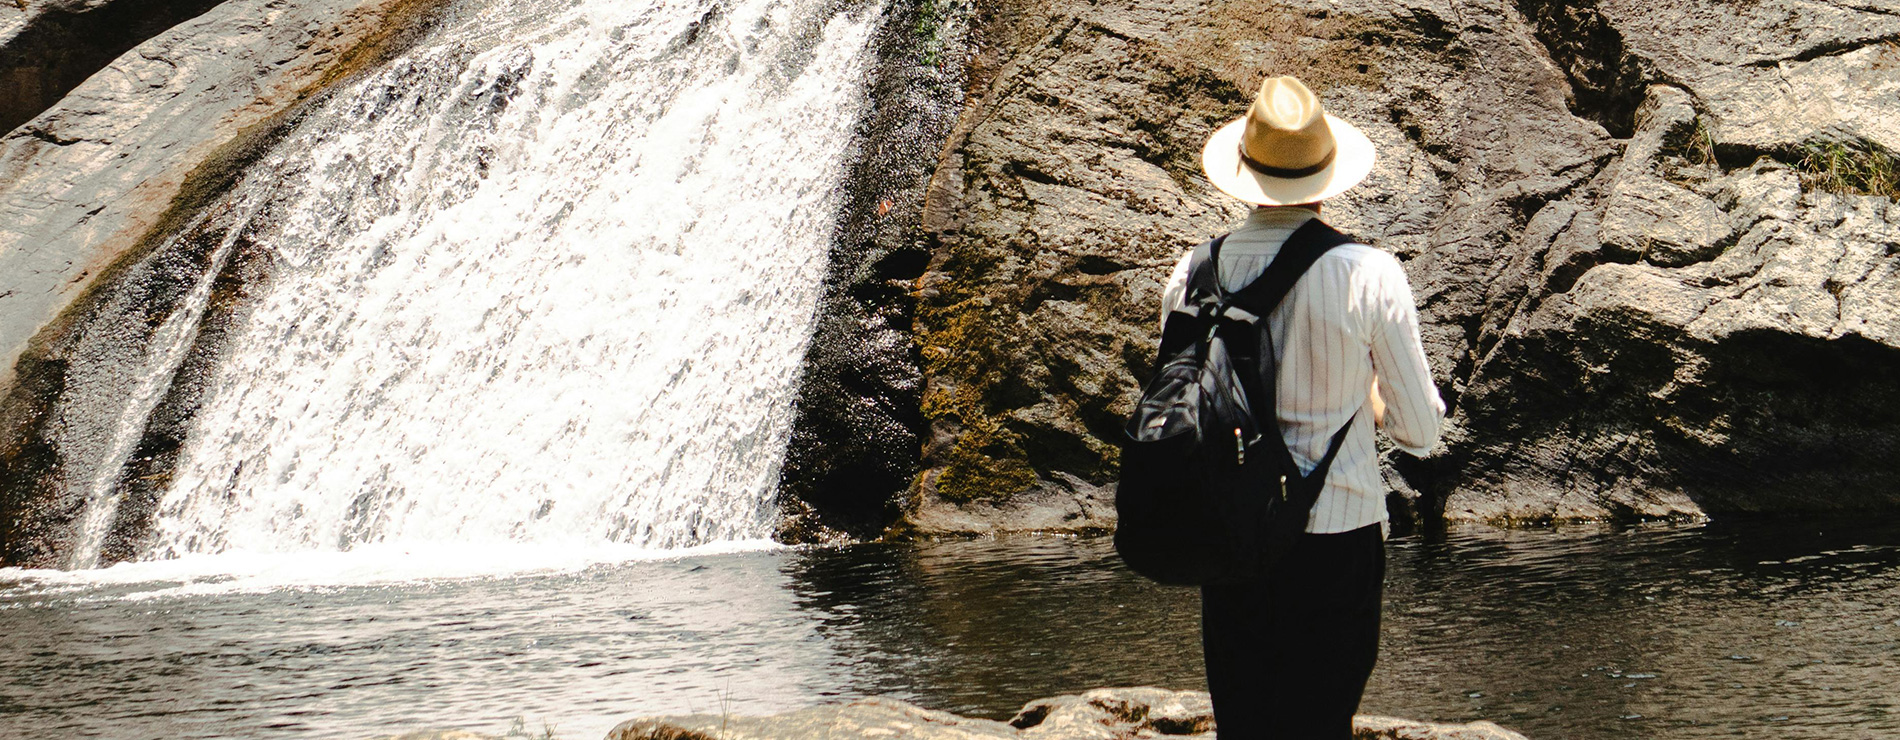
x,y
1759,629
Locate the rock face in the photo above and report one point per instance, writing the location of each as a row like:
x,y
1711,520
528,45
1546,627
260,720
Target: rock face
x,y
1101,714
48,47
88,181
1647,283
92,186
857,430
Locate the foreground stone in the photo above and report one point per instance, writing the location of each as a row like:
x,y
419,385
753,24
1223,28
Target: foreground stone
x,y
1101,714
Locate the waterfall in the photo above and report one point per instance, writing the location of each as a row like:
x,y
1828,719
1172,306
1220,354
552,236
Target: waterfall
x,y
162,353
546,277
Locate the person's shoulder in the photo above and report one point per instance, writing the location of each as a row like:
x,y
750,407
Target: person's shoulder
x,y
1362,257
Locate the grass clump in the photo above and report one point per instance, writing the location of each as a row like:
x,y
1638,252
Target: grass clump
x,y
1697,146
933,20
1849,170
518,730
1688,154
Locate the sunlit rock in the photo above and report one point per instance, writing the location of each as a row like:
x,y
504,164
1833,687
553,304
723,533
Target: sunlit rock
x,y
1100,714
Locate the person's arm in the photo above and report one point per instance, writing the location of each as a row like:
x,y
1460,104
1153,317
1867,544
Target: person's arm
x,y
1377,403
1403,382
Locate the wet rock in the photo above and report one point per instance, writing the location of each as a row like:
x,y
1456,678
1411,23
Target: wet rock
x,y
1101,714
854,442
88,181
90,187
1066,504
48,47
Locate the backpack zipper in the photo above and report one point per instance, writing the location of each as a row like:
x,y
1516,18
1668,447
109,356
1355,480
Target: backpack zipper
x,y
1240,448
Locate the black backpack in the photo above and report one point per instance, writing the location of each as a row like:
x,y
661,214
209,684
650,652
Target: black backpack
x,y
1209,493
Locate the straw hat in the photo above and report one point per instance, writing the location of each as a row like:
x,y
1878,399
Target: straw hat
x,y
1286,150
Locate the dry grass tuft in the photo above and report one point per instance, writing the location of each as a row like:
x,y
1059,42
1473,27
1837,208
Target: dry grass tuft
x,y
1850,170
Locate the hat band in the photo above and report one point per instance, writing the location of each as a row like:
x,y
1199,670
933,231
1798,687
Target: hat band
x,y
1286,173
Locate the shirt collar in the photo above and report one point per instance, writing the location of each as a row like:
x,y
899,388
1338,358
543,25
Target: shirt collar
x,y
1277,217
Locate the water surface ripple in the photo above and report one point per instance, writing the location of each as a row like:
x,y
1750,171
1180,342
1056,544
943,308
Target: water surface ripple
x,y
1752,629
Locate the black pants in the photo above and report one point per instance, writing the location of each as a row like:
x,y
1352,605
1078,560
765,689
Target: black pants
x,y
1288,656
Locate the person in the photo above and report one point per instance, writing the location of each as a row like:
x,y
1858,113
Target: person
x,y
1288,656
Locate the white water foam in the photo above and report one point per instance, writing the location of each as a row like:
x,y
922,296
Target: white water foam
x,y
546,279
235,572
165,351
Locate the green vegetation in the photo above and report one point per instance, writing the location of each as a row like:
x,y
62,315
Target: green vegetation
x,y
1698,147
932,16
1688,154
987,460
1856,168
1849,170
964,343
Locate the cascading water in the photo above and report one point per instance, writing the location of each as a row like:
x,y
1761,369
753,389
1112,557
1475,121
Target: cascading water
x,y
546,277
164,350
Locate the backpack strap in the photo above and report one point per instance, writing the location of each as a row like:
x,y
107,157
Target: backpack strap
x,y
1301,250
1204,271
1304,247
1203,280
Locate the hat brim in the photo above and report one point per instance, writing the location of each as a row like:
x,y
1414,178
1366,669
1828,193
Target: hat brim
x,y
1352,161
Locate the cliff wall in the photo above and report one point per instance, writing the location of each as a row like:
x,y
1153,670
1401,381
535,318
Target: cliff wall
x,y
1655,245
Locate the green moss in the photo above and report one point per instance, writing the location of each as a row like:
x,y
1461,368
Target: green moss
x,y
932,18
986,462
969,330
1836,167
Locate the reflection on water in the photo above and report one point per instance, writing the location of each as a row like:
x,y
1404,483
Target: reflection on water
x,y
1783,630
1755,629
982,627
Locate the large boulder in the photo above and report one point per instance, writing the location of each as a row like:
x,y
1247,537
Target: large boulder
x,y
1651,282
1100,714
139,145
48,47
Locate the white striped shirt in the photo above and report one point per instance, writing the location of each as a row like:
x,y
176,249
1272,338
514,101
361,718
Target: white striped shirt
x,y
1349,319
